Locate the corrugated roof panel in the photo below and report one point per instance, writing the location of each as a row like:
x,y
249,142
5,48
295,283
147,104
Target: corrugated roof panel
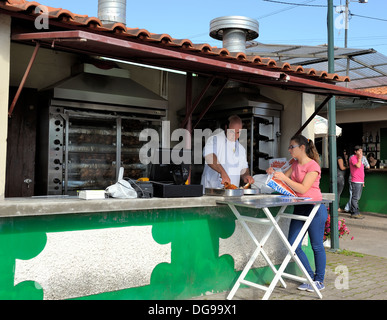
x,y
366,67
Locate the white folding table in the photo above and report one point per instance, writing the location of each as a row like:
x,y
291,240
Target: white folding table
x,y
265,203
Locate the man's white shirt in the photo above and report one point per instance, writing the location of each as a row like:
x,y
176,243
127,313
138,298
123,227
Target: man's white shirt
x,y
230,154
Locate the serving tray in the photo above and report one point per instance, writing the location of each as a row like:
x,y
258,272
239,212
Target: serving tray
x,y
224,192
250,191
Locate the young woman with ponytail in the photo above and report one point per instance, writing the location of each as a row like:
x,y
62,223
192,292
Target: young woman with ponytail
x,y
304,178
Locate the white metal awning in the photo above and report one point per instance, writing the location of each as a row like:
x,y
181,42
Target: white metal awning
x,y
366,68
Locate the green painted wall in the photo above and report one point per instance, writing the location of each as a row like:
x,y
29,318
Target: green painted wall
x,y
373,195
194,234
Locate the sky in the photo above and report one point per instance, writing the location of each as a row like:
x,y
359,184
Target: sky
x,y
279,23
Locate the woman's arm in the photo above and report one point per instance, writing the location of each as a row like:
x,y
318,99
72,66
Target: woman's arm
x,y
340,162
288,172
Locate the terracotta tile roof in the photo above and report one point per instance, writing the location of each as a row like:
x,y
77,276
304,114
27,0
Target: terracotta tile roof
x,y
377,90
81,21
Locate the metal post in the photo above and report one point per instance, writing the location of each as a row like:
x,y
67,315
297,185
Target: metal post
x,y
332,135
313,115
346,37
214,97
188,109
346,23
23,81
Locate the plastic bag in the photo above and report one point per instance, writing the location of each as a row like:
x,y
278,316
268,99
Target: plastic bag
x,y
122,190
260,183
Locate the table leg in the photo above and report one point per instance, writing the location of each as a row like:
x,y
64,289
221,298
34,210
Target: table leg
x,y
255,254
264,239
291,250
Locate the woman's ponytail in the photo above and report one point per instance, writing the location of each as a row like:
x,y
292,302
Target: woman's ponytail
x,y
312,152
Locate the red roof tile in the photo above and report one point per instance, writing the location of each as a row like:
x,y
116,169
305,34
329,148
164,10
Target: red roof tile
x,y
70,18
378,90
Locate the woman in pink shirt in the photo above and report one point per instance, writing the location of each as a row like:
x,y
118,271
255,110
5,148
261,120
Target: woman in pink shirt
x,y
304,178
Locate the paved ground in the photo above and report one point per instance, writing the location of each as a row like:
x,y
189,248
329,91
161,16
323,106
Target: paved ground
x,y
370,234
357,272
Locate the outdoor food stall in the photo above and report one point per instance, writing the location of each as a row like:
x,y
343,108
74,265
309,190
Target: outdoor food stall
x,y
87,116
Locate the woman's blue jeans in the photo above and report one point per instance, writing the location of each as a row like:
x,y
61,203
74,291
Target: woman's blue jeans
x,y
316,235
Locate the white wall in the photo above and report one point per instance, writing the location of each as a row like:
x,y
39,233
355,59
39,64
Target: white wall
x,y
5,32
307,109
361,115
49,67
297,109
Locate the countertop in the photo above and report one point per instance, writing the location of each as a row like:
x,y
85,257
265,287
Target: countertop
x,y
376,170
37,206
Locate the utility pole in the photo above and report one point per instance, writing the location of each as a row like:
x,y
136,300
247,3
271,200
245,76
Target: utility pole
x,y
346,25
346,37
332,135
346,14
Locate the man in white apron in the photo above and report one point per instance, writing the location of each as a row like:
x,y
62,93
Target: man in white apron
x,y
225,158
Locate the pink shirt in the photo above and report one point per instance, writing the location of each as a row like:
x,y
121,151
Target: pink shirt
x,y
298,175
357,174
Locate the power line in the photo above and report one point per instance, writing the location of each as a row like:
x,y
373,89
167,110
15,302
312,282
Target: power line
x,y
357,15
285,9
305,4
298,4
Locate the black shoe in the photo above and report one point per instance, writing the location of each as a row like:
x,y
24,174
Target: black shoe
x,y
357,216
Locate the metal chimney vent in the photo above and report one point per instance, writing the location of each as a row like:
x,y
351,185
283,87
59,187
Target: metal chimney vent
x,y
234,31
111,11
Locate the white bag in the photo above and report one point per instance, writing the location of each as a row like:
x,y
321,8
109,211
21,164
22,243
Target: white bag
x,y
122,190
260,183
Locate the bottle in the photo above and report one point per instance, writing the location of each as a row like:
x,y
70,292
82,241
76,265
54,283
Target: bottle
x,y
366,137
370,138
377,137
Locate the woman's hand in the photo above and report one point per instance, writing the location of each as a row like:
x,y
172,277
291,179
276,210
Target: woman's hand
x,y
280,176
270,170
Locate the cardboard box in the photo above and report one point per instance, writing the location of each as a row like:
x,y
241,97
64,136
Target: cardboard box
x,y
92,194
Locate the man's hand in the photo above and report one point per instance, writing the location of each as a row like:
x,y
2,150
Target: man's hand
x,y
359,154
225,178
248,179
